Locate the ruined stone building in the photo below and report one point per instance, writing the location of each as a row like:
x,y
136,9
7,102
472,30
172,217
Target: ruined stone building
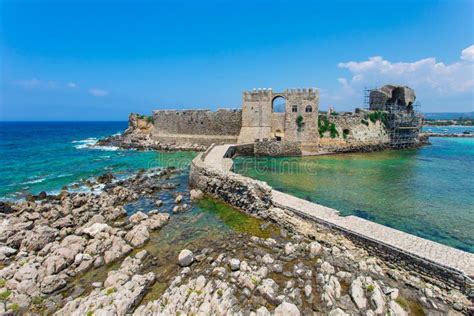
x,y
296,121
402,120
297,126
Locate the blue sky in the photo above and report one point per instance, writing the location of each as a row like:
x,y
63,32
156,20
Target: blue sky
x,y
100,60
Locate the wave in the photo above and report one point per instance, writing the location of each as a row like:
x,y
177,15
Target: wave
x,y
34,181
90,143
85,143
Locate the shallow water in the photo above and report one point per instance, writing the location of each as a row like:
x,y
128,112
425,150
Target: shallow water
x,y
428,192
45,156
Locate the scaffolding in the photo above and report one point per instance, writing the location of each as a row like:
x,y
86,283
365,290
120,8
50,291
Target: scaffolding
x,y
403,121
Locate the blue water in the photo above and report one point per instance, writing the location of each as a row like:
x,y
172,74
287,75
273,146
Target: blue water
x,y
45,156
453,129
428,192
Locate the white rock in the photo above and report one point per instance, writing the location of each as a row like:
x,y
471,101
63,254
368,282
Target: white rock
x,y
96,229
337,312
179,199
185,258
234,264
395,309
267,259
287,309
327,268
196,194
138,236
357,292
314,249
263,311
289,248
137,217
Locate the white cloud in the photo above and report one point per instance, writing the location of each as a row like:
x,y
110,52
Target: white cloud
x,y
28,83
72,85
98,92
427,73
468,53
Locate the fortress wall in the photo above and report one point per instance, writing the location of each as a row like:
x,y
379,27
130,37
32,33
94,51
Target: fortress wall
x,y
202,127
361,132
212,173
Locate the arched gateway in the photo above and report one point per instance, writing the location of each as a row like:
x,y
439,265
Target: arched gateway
x,y
263,118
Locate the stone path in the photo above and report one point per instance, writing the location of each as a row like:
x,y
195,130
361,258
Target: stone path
x,y
440,254
215,158
409,244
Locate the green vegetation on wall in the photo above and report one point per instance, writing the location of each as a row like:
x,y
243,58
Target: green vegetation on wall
x,y
299,122
324,126
149,119
378,116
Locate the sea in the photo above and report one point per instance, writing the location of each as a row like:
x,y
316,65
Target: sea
x,y
428,192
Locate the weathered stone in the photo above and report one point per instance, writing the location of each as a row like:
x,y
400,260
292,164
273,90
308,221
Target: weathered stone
x,y
185,258
234,264
138,236
287,309
137,217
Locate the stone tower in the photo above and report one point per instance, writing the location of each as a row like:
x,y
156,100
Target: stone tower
x,y
298,122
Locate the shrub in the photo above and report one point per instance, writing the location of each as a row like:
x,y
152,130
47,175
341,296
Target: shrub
x,y
150,119
299,121
333,130
323,125
15,307
110,291
370,288
365,122
2,282
37,300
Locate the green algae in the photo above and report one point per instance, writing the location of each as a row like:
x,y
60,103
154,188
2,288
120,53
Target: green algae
x,y
236,220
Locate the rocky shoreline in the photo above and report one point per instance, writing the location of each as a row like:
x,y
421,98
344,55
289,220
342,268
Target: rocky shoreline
x,y
49,243
138,136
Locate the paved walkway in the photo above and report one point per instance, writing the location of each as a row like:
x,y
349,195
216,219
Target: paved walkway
x,y
422,248
440,254
215,158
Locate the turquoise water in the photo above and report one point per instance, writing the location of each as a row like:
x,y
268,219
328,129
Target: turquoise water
x,y
45,156
428,192
454,129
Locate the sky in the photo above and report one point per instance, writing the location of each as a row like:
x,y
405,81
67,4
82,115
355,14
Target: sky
x,y
101,60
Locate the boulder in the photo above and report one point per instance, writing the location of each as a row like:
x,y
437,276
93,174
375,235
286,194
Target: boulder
x,y
52,283
157,221
6,252
36,239
196,194
234,264
357,292
185,258
314,249
138,236
96,229
137,217
287,309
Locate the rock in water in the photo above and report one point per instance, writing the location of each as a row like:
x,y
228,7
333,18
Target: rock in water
x,y
196,194
185,258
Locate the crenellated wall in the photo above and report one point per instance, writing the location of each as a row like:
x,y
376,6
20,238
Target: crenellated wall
x,y
203,127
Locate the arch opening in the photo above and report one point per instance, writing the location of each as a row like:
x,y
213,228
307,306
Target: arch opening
x,y
309,109
279,105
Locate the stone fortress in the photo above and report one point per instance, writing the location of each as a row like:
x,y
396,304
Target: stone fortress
x,y
296,127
